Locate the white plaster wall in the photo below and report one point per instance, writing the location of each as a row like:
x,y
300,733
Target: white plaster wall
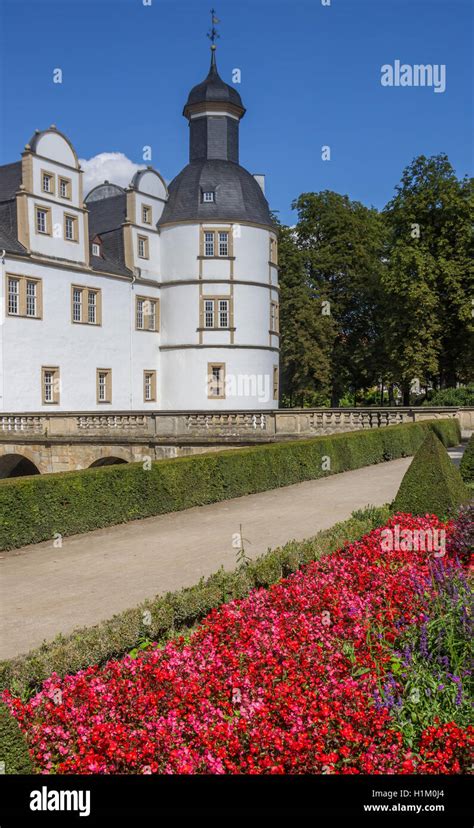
x,y
78,350
249,374
56,245
53,145
179,252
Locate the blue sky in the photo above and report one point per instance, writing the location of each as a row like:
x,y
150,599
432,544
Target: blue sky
x,y
310,77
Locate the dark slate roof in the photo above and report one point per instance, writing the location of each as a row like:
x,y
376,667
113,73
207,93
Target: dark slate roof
x,y
106,217
113,254
107,214
8,228
10,180
104,190
214,89
238,196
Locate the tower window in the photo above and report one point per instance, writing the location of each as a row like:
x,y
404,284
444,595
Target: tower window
x,y
216,381
216,312
209,244
208,197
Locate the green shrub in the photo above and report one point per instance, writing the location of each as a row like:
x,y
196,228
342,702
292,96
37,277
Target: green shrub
x,y
432,484
34,509
467,463
168,615
462,396
13,750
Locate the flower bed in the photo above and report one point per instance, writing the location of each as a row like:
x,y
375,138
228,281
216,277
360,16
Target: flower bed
x,y
314,675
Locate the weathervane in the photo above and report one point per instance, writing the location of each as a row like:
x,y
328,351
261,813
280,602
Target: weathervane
x,y
213,33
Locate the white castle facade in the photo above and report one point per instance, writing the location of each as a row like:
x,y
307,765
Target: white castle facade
x,y
145,298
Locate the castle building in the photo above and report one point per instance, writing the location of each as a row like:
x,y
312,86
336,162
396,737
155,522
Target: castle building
x,y
145,298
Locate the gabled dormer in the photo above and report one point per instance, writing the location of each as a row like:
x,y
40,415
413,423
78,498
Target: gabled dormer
x,y
51,215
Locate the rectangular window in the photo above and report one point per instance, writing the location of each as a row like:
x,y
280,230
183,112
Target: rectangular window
x,y
96,249
31,303
92,307
275,382
47,182
208,244
43,220
215,312
77,304
223,244
24,296
146,314
70,228
86,305
223,313
65,188
13,296
273,250
216,381
143,247
104,385
149,386
208,197
50,385
274,317
146,214
209,313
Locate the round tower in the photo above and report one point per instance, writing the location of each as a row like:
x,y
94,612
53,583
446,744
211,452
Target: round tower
x,y
219,269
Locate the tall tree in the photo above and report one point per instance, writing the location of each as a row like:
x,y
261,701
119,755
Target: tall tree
x,y
306,333
429,283
344,243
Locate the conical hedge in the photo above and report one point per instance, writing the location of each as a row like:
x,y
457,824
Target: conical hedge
x,y
467,463
432,484
14,752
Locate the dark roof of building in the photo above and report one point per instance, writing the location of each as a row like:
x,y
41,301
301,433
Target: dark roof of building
x,y
106,217
8,228
10,180
238,197
107,214
214,89
104,190
113,254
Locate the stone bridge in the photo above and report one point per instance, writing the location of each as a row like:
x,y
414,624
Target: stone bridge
x,y
54,442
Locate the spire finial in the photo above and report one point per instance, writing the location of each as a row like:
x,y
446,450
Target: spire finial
x,y
213,34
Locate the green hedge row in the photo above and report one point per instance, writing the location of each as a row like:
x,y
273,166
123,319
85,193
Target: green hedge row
x,y
467,463
34,509
168,615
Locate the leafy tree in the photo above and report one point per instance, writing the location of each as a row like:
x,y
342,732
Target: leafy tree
x,y
344,244
429,278
306,334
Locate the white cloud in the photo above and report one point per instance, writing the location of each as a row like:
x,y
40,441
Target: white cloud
x,y
108,166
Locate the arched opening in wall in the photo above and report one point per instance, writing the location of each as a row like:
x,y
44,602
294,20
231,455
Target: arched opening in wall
x,y
15,465
107,461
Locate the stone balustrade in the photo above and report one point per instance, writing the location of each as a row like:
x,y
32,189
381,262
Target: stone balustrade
x,y
244,426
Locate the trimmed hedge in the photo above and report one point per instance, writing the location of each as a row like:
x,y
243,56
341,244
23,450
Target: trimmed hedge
x,y
14,751
432,484
467,463
34,509
168,615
